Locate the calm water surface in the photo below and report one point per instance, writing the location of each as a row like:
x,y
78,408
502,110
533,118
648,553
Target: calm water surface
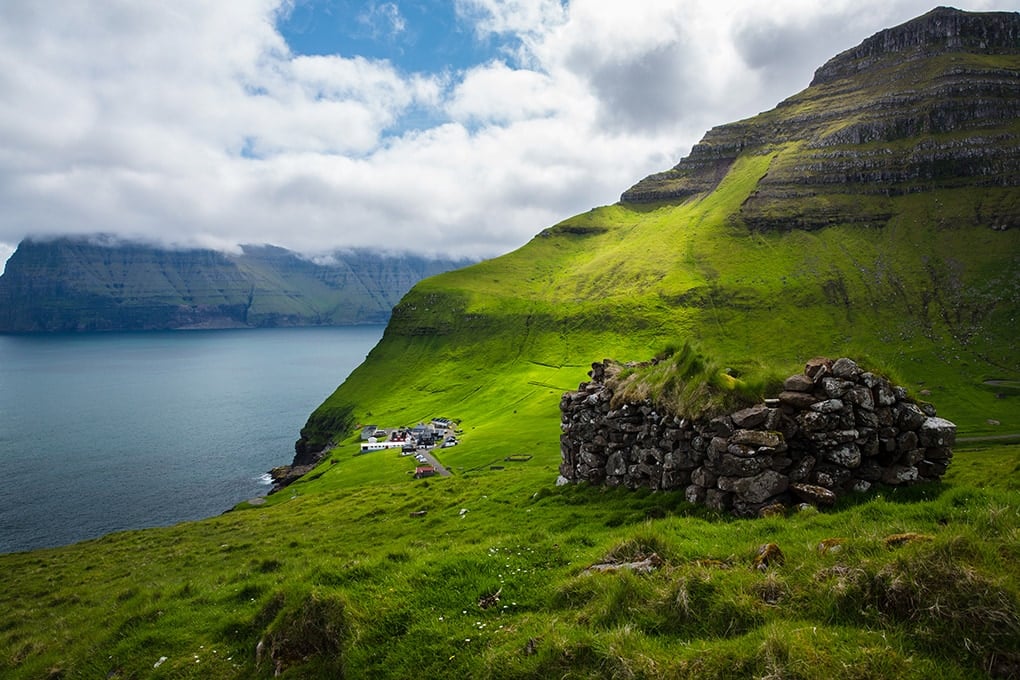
x,y
105,432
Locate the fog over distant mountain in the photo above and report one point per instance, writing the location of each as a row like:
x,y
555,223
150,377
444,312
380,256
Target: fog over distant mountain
x,y
460,127
86,285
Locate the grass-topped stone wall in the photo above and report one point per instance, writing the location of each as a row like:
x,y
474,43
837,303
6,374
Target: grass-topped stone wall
x,y
833,429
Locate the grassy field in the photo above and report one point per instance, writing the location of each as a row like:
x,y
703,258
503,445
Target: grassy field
x,y
335,577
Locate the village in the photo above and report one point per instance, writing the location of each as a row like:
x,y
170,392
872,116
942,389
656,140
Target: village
x,y
419,441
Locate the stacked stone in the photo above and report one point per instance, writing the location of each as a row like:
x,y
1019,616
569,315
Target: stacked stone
x,y
633,445
834,429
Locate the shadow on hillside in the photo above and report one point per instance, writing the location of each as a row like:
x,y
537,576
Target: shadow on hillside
x,y
924,492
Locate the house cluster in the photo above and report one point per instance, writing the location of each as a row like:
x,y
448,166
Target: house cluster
x,y
414,441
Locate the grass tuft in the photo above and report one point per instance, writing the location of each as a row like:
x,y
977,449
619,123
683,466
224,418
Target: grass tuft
x,y
313,630
683,381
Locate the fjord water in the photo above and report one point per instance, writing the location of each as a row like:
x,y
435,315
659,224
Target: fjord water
x,y
104,432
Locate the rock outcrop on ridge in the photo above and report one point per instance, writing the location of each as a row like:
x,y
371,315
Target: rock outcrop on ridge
x,y
933,103
835,428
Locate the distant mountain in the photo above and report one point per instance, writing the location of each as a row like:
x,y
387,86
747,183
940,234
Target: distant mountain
x,y
77,284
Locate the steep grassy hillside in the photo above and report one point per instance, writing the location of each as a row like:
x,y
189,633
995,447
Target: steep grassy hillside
x,y
931,297
875,214
358,570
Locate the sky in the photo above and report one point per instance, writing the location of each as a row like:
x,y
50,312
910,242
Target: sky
x,y
441,127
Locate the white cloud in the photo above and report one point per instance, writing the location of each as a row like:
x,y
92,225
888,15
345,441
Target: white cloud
x,y
192,122
383,19
6,250
518,17
495,93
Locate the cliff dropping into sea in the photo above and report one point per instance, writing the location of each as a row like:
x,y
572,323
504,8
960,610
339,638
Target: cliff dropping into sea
x,y
77,284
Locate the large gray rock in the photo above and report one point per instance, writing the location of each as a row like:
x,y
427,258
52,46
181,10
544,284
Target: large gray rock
x,y
937,432
846,368
835,388
909,416
761,487
704,477
828,406
797,400
861,397
740,466
883,392
758,438
897,475
616,465
813,494
750,417
799,383
847,455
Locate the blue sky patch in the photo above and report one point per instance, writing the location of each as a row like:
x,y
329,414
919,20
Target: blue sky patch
x,y
416,36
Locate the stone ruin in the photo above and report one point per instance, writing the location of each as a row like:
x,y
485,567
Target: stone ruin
x,y
835,429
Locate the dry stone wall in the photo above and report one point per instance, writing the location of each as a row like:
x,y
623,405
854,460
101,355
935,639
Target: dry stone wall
x,y
835,428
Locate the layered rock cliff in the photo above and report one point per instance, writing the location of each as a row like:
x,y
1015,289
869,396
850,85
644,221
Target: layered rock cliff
x,y
80,285
931,104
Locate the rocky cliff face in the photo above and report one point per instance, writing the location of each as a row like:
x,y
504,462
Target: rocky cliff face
x,y
931,104
77,285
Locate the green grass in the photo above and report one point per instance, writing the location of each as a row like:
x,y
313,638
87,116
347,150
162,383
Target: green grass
x,y
344,581
398,596
685,383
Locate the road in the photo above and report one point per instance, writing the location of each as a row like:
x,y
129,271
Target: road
x,y
440,470
987,438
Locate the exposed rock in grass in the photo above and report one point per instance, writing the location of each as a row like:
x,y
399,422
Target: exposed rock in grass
x,y
896,540
828,546
490,600
769,555
316,627
642,566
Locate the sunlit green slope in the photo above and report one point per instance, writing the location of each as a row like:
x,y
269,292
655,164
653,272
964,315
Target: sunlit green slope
x,y
930,297
875,214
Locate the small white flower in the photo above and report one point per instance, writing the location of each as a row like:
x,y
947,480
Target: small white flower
x,y
160,662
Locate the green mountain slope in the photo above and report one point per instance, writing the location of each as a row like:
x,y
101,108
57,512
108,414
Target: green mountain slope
x,y
875,215
356,570
80,285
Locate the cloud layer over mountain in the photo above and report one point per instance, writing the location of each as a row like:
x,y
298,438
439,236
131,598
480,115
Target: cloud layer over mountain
x,y
196,123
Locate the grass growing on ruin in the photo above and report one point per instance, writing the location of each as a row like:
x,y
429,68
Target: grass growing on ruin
x,y
682,381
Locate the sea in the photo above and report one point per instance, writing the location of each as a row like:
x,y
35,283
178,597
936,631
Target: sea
x,y
113,431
